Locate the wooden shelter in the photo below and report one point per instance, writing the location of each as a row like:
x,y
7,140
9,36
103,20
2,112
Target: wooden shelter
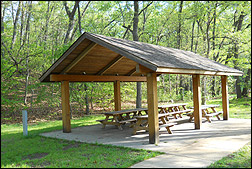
x,y
98,58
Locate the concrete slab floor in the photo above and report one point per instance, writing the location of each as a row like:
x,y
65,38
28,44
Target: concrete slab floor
x,y
186,147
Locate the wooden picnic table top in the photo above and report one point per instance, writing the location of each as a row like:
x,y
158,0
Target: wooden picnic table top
x,y
172,105
208,106
125,111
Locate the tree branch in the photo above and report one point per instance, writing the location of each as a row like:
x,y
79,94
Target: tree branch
x,y
145,8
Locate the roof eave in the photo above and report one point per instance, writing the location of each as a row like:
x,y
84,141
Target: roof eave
x,y
195,71
62,57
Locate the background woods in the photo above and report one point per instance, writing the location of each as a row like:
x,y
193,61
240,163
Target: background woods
x,y
34,34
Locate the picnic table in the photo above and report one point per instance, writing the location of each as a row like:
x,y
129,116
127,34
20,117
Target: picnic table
x,y
174,110
142,123
119,118
206,113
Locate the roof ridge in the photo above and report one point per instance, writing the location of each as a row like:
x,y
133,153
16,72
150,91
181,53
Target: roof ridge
x,y
93,34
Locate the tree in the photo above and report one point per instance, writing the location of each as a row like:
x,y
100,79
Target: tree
x,y
71,19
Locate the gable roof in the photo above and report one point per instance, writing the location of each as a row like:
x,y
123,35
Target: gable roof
x,y
121,57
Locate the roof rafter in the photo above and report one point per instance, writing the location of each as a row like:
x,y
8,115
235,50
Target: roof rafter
x,y
80,56
131,72
112,63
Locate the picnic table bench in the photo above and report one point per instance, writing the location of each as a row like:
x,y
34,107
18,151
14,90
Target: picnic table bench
x,y
174,110
119,118
142,123
206,113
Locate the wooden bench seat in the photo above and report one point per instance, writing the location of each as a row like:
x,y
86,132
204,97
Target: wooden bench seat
x,y
190,114
128,120
213,114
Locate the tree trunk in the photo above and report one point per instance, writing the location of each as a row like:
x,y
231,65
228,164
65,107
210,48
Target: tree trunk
x,y
247,79
238,26
71,20
15,26
135,38
86,99
197,40
179,25
27,32
2,17
214,77
192,36
79,20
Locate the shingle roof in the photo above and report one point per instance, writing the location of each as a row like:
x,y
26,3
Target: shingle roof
x,y
156,58
159,56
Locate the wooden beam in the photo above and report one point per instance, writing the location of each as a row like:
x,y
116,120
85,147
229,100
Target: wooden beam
x,y
95,78
65,106
142,69
79,57
225,101
117,95
131,72
152,108
112,63
197,101
196,71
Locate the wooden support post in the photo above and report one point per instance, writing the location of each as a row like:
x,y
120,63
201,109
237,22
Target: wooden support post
x,y
117,95
152,108
65,106
225,101
197,101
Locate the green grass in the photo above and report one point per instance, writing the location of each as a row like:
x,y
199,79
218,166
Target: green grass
x,y
238,108
35,151
239,159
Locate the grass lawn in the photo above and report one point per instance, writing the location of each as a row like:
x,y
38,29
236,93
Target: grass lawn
x,y
36,151
239,159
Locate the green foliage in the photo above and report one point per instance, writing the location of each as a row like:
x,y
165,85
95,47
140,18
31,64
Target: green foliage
x,y
39,42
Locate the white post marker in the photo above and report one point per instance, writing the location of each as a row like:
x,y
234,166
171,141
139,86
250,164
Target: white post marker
x,y
24,114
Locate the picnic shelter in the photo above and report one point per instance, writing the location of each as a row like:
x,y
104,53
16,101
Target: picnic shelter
x,y
98,58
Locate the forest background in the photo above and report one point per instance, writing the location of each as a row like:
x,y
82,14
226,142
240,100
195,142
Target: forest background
x,y
34,34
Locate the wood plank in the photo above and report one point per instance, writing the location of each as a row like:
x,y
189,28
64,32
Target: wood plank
x,y
122,68
225,101
79,57
152,108
197,101
112,63
80,40
95,78
117,95
131,72
195,71
65,106
142,69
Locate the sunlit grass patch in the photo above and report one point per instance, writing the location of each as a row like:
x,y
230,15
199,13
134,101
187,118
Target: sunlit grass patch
x,y
35,151
239,159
